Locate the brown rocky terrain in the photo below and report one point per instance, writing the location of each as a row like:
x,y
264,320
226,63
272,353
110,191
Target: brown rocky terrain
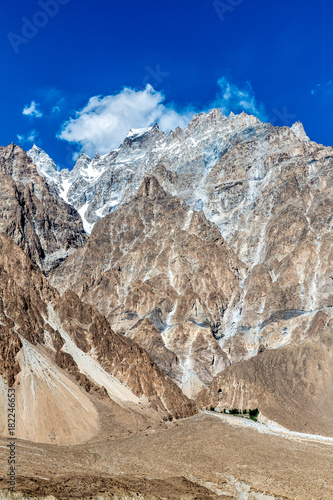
x,y
292,385
38,220
55,352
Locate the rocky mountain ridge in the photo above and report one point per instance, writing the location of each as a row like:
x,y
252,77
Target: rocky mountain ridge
x,y
41,223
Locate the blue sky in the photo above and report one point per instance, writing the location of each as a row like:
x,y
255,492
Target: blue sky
x,y
79,73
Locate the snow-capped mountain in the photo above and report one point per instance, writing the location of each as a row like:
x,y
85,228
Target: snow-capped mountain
x,y
45,166
96,187
263,188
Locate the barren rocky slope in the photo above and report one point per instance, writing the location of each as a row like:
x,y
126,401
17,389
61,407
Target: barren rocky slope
x,y
57,353
292,386
38,220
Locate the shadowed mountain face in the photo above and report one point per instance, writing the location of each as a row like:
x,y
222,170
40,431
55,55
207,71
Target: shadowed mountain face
x,y
38,220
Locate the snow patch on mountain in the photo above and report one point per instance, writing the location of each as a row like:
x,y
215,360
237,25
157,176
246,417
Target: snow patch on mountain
x,y
45,165
87,227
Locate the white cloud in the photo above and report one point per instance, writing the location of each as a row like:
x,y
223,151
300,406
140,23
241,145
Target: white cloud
x,y
32,110
28,138
105,120
230,97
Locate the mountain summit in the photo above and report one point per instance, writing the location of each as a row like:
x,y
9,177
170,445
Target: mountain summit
x,y
214,245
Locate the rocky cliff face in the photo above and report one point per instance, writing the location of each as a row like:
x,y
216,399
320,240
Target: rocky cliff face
x,y
281,229
61,355
266,190
157,261
38,220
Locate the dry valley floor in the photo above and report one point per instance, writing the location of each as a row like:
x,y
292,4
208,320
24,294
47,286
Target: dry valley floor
x,y
198,457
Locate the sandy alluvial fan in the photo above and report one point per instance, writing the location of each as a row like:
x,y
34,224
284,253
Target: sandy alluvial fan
x,y
177,272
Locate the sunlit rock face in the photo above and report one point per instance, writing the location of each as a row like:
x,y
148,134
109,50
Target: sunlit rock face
x,y
266,191
157,260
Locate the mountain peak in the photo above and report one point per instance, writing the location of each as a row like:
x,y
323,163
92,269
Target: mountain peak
x,y
44,164
137,132
299,131
151,188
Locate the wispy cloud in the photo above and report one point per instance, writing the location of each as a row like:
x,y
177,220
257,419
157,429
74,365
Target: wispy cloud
x,y
105,120
28,138
32,110
58,105
232,97
321,86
